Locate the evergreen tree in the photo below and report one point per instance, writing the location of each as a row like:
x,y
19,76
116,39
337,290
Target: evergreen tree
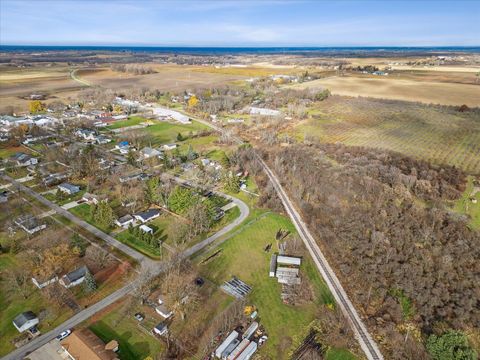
x,y
89,283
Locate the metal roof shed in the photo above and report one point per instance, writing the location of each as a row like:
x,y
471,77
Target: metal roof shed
x,y
230,338
250,330
289,260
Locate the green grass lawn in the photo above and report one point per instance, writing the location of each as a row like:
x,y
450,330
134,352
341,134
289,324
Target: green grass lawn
x,y
83,212
13,303
339,354
243,256
165,132
131,121
465,206
141,246
133,342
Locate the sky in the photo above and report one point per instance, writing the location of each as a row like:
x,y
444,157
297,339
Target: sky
x,y
240,23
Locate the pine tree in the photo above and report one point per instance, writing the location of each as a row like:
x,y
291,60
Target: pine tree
x,y
89,283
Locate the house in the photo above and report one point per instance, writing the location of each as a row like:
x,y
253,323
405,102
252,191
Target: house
x,y
25,321
235,121
147,153
10,121
161,329
100,139
29,224
41,282
52,179
125,221
146,229
91,198
263,111
221,351
123,147
86,134
84,344
68,188
148,215
22,159
169,146
74,278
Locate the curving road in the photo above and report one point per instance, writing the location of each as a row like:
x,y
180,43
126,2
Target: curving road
x,y
153,267
364,338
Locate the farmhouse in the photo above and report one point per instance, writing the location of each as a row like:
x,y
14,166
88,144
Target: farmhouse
x,y
25,321
29,224
148,215
84,344
69,188
74,278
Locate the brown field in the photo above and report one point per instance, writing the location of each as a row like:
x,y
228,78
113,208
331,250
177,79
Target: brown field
x,y
436,134
386,87
168,77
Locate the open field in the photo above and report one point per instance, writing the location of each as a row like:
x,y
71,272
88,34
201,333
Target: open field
x,y
281,321
439,135
167,77
386,87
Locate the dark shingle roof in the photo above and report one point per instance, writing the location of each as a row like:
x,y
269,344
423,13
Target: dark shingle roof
x,y
23,318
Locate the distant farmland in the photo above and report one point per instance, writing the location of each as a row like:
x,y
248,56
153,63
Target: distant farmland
x,y
389,87
437,134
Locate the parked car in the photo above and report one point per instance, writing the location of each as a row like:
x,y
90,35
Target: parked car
x,y
64,334
139,317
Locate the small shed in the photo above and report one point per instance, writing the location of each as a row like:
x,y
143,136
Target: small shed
x,y
146,229
273,265
161,329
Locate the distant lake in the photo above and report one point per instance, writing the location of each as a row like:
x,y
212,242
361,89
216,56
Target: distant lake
x,y
311,51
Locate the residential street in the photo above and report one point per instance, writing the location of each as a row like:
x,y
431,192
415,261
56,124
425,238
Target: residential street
x,y
154,267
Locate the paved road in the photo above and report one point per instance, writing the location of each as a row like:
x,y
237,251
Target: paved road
x,y
154,267
92,229
364,338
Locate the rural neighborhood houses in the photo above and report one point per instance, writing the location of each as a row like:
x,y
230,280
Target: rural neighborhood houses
x,y
74,278
69,189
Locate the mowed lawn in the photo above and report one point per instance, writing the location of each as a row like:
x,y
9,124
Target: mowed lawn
x,y
134,342
244,256
165,132
13,303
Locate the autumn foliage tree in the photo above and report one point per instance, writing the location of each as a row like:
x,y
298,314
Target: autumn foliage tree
x,y
36,106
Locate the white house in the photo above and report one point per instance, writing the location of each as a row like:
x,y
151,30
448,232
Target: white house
x,y
74,278
68,188
25,321
163,311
